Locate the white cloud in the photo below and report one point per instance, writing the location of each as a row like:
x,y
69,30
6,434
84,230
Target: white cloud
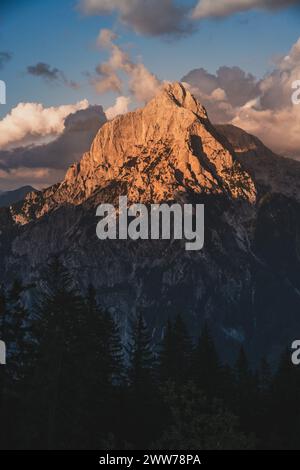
x,y
273,117
39,178
263,108
120,107
279,129
223,92
30,123
42,165
142,83
221,8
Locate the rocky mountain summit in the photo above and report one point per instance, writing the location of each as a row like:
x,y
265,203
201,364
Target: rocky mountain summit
x,y
245,281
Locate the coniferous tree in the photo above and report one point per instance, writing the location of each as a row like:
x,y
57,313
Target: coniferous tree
x,y
15,331
15,324
246,392
175,353
78,360
114,350
263,403
102,340
18,332
182,351
167,365
141,357
264,376
56,384
143,404
206,366
103,365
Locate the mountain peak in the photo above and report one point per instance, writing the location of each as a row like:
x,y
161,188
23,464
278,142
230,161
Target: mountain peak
x,y
167,147
155,154
179,94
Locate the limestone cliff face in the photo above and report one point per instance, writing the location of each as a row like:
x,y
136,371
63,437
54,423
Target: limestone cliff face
x,y
168,147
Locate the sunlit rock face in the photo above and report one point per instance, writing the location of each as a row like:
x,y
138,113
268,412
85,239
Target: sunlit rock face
x,y
166,148
169,151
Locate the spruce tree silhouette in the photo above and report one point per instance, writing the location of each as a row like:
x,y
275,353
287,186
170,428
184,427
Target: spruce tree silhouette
x,y
143,410
263,405
58,325
246,392
182,351
103,371
167,366
15,329
141,357
206,366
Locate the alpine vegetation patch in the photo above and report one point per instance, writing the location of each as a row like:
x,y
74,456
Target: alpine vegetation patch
x,y
154,222
2,353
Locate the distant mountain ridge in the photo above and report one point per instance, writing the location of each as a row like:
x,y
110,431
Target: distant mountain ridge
x,y
8,198
272,172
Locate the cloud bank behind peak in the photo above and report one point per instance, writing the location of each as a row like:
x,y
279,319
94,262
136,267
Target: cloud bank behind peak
x,y
261,107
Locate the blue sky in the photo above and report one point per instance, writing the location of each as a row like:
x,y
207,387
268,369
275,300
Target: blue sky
x,y
56,33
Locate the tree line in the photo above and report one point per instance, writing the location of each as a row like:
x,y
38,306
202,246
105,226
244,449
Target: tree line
x,y
69,383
